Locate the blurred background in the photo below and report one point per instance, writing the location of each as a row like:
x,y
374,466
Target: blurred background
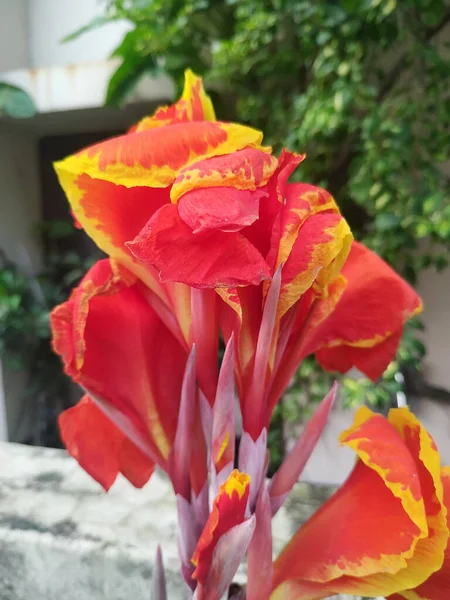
x,y
361,86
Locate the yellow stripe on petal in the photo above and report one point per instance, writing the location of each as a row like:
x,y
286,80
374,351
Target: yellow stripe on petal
x,y
194,105
303,201
246,169
154,157
316,258
428,555
410,497
231,297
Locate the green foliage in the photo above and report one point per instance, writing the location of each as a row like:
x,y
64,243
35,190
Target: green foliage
x,y
361,86
15,102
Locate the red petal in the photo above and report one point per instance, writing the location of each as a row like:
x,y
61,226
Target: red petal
x,y
366,326
210,259
100,447
114,344
223,208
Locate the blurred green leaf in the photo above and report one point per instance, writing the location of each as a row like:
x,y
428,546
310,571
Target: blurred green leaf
x,y
95,23
15,102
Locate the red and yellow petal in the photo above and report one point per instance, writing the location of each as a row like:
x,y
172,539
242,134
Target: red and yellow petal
x,y
200,107
365,328
351,534
100,447
429,553
109,311
228,510
320,249
154,157
113,215
302,201
385,529
372,361
437,586
194,105
207,259
246,169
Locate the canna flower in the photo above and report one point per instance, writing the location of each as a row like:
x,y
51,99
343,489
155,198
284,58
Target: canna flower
x,y
385,532
206,236
205,216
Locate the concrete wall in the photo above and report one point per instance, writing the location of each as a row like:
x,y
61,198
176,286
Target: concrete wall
x,y
61,536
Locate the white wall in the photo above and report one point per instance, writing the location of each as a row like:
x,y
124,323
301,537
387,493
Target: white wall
x,y
13,34
52,20
31,32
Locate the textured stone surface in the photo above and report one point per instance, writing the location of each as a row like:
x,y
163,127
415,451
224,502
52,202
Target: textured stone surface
x,y
61,536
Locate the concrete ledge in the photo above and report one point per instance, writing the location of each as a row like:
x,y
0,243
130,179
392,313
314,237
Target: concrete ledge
x,y
62,536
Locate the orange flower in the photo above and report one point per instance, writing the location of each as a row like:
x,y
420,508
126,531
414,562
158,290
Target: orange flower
x,y
385,531
205,216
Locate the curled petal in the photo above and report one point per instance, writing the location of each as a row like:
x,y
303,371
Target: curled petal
x,y
111,214
208,259
320,250
223,208
246,169
100,447
383,531
366,326
437,586
302,201
228,511
278,185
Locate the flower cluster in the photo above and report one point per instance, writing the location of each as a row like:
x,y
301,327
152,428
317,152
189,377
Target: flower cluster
x,y
207,239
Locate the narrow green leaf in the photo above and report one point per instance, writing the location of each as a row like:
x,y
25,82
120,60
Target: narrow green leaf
x,y
126,77
96,22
